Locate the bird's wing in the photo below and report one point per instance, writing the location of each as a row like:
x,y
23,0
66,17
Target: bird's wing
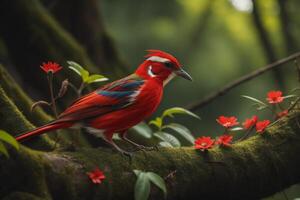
x,y
114,96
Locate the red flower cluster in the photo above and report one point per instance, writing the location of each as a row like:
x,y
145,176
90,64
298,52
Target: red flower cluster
x,y
249,123
96,176
51,67
262,125
227,122
274,97
204,143
224,140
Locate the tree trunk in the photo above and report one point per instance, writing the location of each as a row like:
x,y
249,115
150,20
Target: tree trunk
x,y
266,43
33,36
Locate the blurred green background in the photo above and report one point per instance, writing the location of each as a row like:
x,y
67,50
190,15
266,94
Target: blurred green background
x,y
217,42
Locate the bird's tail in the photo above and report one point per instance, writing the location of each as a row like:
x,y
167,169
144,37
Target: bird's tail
x,y
43,129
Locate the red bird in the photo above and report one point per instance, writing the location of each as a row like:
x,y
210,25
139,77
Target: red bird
x,y
118,106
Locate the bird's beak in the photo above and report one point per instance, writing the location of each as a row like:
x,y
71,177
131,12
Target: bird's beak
x,y
183,74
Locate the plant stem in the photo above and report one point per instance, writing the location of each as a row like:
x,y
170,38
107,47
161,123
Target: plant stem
x,y
246,135
81,87
53,105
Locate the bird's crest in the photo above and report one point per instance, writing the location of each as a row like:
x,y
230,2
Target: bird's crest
x,y
161,56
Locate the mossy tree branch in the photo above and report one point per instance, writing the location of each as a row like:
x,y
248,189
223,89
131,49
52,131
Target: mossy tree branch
x,y
22,101
252,169
17,105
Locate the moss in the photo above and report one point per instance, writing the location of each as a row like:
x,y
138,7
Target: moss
x,y
27,176
22,101
14,122
38,117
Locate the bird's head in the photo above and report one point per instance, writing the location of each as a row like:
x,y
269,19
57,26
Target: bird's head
x,y
161,66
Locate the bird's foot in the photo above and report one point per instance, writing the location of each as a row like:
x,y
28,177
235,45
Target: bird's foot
x,y
144,148
128,154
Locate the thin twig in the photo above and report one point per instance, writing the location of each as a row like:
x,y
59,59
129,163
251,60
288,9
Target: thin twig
x,y
211,97
170,175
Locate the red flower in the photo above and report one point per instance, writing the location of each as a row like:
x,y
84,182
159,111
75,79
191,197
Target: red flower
x,y
204,143
262,125
96,176
227,121
224,140
282,114
51,67
248,123
274,97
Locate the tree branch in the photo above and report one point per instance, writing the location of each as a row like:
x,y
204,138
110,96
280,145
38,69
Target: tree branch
x,y
213,96
252,169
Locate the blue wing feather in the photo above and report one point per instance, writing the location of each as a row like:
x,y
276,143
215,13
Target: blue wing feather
x,y
115,94
122,90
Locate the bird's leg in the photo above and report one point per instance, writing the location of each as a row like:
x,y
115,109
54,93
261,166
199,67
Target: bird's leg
x,y
126,153
108,139
139,146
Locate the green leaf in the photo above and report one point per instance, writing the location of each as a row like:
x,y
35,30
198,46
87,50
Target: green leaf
x,y
79,70
156,122
158,181
159,135
4,136
137,172
143,129
142,187
177,110
260,107
96,78
171,139
255,100
236,129
182,130
165,144
3,149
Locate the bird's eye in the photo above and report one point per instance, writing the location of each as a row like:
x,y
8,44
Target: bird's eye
x,y
169,65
